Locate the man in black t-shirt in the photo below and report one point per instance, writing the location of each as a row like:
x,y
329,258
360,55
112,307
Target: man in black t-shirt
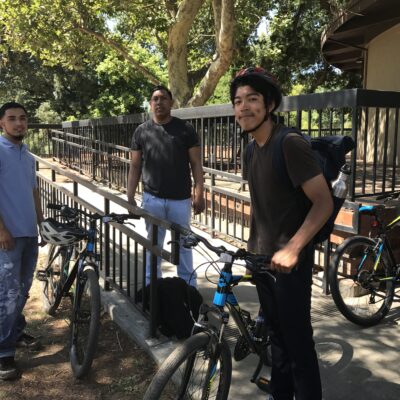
x,y
285,218
164,151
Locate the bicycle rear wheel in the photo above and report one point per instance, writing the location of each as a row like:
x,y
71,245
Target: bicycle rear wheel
x,y
85,322
199,368
362,292
56,259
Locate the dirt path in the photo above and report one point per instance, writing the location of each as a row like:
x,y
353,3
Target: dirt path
x,y
120,371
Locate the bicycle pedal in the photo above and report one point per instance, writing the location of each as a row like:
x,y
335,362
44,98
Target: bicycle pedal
x,y
241,350
263,384
41,276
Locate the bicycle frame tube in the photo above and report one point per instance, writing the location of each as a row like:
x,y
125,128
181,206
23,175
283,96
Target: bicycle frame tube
x,y
224,292
88,250
391,224
379,255
224,296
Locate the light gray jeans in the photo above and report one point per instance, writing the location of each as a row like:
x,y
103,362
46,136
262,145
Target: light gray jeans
x,y
16,274
177,211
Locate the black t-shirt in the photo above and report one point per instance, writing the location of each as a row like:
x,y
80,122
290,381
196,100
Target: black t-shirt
x,y
278,209
165,157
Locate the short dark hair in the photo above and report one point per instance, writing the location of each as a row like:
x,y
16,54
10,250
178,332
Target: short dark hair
x,y
10,104
161,87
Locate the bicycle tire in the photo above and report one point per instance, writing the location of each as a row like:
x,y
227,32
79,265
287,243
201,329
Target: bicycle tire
x,y
85,324
362,295
51,286
185,356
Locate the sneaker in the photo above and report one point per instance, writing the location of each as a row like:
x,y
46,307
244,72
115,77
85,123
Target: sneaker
x,y
8,369
28,342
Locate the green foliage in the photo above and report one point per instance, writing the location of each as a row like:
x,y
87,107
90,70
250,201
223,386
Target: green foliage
x,y
221,92
291,49
87,58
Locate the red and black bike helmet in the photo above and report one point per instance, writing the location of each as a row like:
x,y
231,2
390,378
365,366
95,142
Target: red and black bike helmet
x,y
260,80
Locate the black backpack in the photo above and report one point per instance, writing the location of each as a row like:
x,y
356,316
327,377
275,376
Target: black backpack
x,y
330,153
177,306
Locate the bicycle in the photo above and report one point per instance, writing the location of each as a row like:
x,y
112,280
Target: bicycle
x,y
363,272
201,366
68,265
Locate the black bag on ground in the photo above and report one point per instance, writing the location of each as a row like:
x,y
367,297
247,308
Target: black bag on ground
x,y
330,153
176,300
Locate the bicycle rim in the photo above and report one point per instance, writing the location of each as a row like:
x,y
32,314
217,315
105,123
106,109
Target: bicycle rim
x,y
361,288
85,323
196,371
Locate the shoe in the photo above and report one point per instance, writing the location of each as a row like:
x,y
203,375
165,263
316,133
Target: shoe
x,y
8,369
28,342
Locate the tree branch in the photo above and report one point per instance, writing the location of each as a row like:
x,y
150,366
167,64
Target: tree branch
x,y
120,50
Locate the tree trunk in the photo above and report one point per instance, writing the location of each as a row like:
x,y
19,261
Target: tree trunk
x,y
224,29
177,50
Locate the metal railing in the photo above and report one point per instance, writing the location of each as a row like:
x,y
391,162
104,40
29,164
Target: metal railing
x,y
100,148
122,250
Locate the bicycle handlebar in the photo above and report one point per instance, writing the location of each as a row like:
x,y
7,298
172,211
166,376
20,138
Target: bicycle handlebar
x,y
254,262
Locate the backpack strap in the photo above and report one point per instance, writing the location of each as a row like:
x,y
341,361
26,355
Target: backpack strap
x,y
278,156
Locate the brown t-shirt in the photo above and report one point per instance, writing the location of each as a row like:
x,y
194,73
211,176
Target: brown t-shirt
x,y
278,208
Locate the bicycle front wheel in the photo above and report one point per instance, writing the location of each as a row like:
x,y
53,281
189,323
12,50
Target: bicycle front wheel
x,y
199,368
85,322
361,281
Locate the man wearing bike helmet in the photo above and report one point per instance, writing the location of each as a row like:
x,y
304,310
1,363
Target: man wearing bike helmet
x,y
285,217
20,213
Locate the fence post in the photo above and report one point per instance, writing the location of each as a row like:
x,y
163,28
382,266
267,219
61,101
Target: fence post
x,y
153,283
212,200
106,242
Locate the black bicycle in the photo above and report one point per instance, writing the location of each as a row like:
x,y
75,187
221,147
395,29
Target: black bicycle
x,y
72,271
201,366
364,273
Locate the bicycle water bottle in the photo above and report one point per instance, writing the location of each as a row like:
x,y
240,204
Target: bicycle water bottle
x,y
340,186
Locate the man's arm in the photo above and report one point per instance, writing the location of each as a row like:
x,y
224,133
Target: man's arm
x,y
6,240
135,170
197,172
316,189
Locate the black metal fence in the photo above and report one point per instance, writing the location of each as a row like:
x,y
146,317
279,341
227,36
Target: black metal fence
x,y
100,148
122,250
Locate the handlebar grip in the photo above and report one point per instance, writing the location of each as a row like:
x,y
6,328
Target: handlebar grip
x,y
54,206
180,229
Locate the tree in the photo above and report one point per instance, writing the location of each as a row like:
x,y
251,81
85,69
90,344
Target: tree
x,y
126,46
54,90
148,34
291,48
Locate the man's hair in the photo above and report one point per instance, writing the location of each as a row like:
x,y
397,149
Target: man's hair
x,y
7,106
161,87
